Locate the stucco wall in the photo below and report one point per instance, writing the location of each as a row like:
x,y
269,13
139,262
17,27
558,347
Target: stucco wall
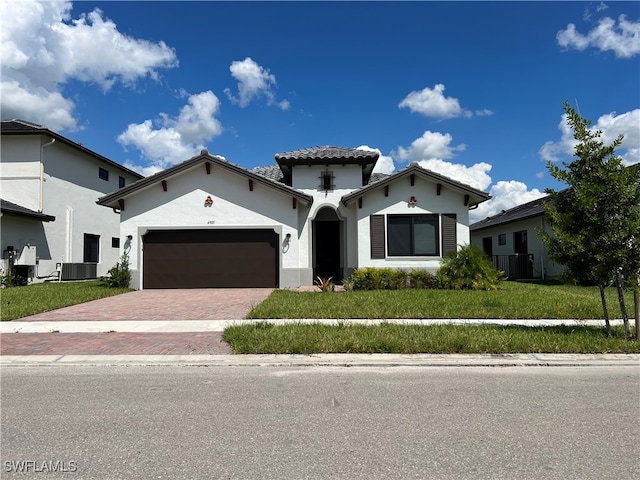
x,y
182,206
375,203
20,170
542,265
70,189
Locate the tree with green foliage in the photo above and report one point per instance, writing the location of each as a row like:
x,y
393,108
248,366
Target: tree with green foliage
x,y
596,220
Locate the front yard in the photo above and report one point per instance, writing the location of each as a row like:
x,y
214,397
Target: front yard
x,y
513,300
18,302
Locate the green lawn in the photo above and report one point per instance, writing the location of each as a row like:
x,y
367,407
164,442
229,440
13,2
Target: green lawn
x,y
299,338
17,302
514,300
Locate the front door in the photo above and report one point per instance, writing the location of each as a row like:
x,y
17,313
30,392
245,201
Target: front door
x,y
327,250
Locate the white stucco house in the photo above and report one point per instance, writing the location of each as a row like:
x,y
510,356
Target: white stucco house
x,y
511,239
320,212
50,225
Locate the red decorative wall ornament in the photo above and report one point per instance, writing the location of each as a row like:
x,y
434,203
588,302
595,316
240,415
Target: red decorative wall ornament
x,y
208,201
413,201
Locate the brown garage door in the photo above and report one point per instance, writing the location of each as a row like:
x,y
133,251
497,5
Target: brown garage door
x,y
210,258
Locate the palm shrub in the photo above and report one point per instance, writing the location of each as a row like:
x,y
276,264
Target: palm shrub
x,y
468,268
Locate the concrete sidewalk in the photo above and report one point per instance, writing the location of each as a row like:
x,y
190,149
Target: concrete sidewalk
x,y
199,342
169,326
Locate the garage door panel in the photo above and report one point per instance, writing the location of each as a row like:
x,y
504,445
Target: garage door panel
x,y
210,259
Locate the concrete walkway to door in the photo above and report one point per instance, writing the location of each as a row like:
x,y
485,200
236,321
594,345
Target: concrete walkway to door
x,y
174,305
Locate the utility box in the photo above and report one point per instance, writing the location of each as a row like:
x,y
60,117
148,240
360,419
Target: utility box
x,y
27,256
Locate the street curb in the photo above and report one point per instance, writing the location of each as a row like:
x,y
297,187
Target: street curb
x,y
330,360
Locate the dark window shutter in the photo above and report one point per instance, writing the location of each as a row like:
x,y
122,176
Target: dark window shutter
x,y
449,238
377,236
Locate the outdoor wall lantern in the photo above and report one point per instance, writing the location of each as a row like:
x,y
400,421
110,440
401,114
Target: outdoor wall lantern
x,y
208,201
413,202
285,242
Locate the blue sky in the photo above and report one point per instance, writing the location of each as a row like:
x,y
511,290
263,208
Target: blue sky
x,y
472,90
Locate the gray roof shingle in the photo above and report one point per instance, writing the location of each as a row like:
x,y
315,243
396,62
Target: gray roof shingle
x,y
526,210
15,209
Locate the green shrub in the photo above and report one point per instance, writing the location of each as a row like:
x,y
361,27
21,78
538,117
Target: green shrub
x,y
371,278
468,269
119,276
10,279
419,278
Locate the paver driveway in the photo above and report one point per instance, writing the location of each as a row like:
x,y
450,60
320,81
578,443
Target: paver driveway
x,y
191,304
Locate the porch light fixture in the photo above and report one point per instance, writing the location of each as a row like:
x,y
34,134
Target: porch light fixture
x,y
208,201
285,242
412,201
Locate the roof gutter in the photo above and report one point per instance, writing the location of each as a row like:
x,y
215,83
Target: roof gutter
x,y
41,201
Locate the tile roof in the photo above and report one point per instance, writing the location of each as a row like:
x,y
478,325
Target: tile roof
x,y
272,172
477,196
15,209
376,177
112,198
324,153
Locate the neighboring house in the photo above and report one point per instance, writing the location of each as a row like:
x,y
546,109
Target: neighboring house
x,y
511,239
50,221
319,213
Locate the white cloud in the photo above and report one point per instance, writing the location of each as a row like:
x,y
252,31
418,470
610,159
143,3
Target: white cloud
x,y
611,126
627,124
254,81
384,164
504,195
476,176
43,48
38,106
622,38
433,103
175,139
431,145
430,152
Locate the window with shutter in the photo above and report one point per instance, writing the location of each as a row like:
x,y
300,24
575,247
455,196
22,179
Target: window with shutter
x,y
449,236
377,236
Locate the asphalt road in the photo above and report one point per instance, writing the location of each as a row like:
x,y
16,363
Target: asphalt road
x,y
181,422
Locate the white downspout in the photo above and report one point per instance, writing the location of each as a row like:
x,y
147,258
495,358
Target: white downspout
x,y
41,203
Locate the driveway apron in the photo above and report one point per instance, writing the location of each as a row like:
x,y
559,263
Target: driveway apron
x,y
191,304
143,306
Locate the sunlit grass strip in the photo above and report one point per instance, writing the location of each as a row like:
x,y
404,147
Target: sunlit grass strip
x,y
310,338
17,302
514,300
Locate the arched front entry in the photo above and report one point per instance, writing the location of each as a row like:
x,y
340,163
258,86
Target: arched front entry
x,y
327,245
